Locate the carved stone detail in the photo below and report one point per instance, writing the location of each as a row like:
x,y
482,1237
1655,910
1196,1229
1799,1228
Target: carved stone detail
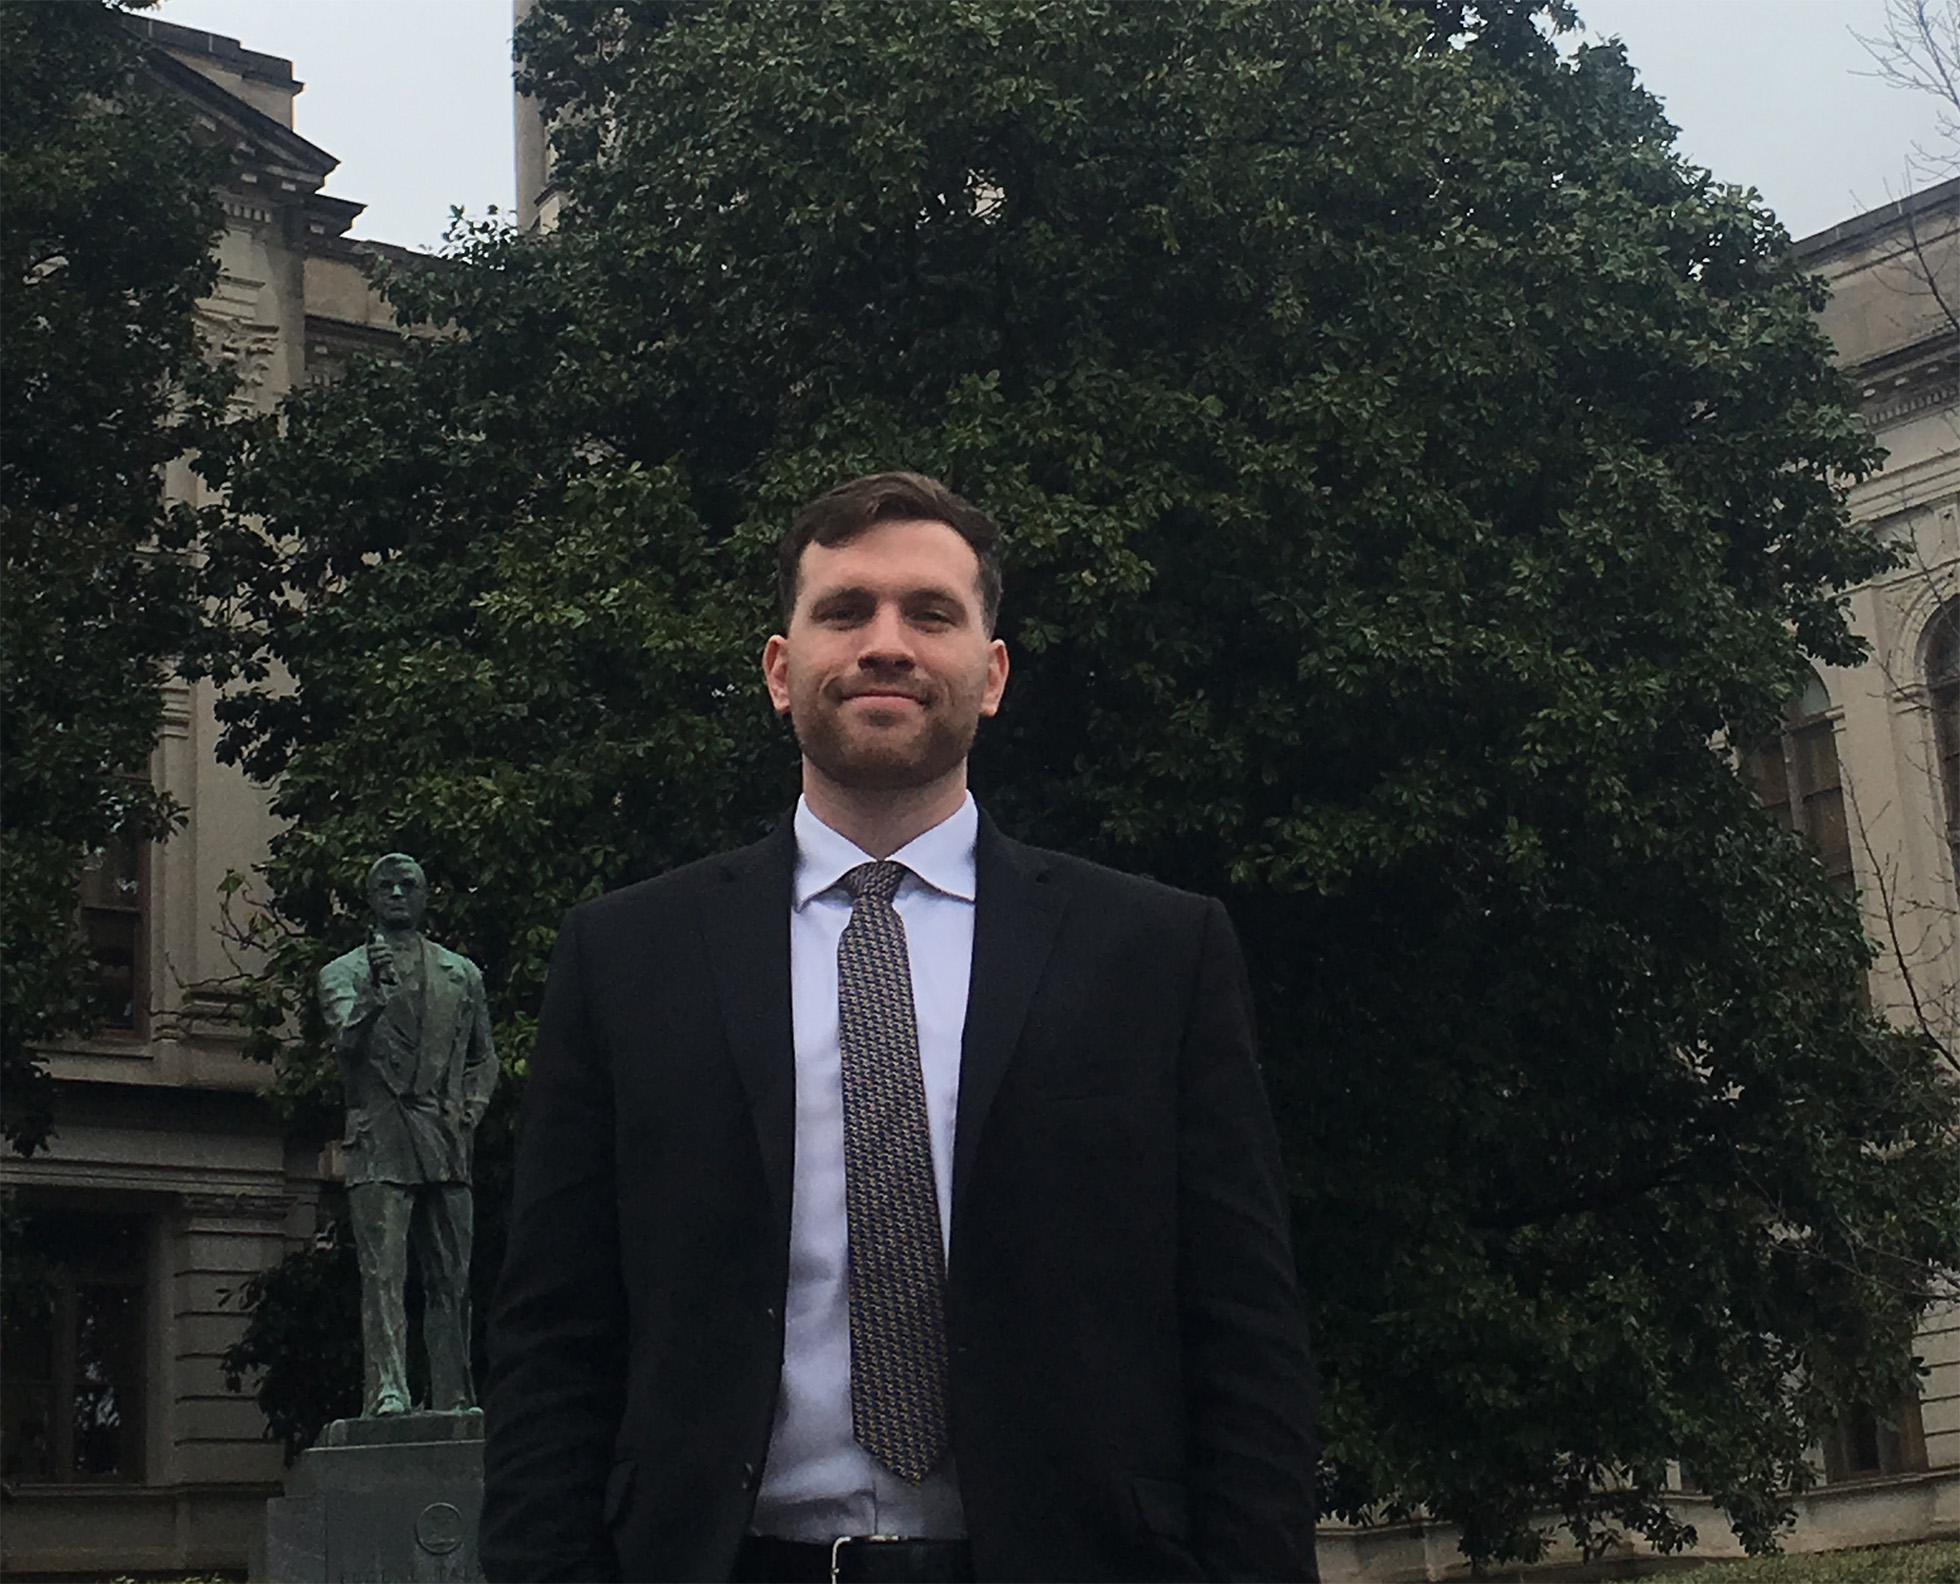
x,y
238,1205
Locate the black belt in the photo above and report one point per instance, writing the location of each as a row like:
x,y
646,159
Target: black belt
x,y
855,1559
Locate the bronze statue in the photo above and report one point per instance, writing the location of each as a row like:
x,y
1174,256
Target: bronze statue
x,y
411,1031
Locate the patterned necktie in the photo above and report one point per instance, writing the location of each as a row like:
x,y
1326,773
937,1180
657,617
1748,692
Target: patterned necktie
x,y
897,1263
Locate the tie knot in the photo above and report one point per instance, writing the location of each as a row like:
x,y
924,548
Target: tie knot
x,y
878,880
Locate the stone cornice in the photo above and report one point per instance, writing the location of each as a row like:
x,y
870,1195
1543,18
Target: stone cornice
x,y
1859,230
1902,392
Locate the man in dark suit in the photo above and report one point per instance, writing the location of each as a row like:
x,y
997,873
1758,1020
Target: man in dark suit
x,y
895,1201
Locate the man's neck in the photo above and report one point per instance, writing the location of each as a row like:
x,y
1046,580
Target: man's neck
x,y
882,821
400,939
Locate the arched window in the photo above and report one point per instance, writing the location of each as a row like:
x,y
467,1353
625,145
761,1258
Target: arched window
x,y
1943,691
1795,774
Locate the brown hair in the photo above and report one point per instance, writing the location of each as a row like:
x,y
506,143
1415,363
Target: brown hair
x,y
839,515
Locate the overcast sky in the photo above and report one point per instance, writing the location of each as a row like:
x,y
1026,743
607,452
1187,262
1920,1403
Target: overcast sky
x,y
414,98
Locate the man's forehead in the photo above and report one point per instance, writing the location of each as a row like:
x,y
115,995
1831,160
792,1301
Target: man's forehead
x,y
396,871
918,551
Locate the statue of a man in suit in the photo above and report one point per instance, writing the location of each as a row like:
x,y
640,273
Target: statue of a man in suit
x,y
411,1031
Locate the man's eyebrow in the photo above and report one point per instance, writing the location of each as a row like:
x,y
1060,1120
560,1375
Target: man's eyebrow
x,y
857,591
848,591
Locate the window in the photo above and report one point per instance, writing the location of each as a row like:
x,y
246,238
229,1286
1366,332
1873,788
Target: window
x,y
1796,777
1795,774
71,1356
1863,1446
1943,692
112,920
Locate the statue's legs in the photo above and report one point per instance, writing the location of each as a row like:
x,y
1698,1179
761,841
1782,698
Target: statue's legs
x,y
381,1214
445,1215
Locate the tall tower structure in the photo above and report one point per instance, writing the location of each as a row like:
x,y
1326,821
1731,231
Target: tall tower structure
x,y
537,198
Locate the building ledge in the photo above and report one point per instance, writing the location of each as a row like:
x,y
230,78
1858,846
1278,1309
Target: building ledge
x,y
93,1531
1860,229
1844,1516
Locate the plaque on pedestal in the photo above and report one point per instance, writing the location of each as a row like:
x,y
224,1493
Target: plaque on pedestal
x,y
380,1499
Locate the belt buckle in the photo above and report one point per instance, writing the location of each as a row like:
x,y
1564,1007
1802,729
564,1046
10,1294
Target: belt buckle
x,y
837,1548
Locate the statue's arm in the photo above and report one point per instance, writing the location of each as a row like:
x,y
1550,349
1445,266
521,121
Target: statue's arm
x,y
350,1002
480,1066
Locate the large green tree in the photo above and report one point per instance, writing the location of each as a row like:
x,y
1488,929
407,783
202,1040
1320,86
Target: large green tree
x,y
108,210
1413,474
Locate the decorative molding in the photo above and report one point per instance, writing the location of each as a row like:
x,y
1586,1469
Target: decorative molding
x,y
237,1204
210,1001
249,213
1898,385
241,292
1883,415
248,346
41,1171
176,709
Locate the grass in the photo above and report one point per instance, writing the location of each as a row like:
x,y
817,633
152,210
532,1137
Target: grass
x,y
1933,1562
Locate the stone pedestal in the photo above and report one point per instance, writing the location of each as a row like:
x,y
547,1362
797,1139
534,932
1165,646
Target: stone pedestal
x,y
380,1499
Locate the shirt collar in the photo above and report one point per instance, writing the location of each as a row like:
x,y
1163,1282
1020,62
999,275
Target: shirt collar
x,y
941,857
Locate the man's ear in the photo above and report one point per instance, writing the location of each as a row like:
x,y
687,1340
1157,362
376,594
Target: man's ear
x,y
775,671
996,677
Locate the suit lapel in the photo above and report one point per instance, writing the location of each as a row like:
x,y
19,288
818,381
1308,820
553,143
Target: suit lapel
x,y
745,921
442,997
1016,912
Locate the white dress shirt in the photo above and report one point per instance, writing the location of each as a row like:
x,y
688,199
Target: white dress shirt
x,y
818,1482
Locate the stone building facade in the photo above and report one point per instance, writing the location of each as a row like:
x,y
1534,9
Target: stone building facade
x,y
1894,726
169,1180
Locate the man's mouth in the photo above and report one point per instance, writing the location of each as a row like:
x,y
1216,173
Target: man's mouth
x,y
886,694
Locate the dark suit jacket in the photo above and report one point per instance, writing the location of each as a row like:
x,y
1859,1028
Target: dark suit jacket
x,y
1130,1391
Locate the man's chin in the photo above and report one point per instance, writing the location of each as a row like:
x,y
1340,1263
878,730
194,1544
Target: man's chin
x,y
876,774
884,767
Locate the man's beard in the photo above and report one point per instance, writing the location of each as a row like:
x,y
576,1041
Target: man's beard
x,y
876,767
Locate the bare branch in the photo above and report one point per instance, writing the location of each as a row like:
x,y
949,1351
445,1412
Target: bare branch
x,y
1925,1018
1918,49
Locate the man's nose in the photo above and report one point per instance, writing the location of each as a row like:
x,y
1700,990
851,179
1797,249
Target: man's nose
x,y
887,640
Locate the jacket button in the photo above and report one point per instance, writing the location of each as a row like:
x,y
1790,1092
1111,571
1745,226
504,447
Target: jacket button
x,y
749,1477
769,1314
